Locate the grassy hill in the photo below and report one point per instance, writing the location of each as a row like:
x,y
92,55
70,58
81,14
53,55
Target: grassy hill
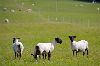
x,y
41,21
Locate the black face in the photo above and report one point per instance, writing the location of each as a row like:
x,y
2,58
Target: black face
x,y
72,38
58,40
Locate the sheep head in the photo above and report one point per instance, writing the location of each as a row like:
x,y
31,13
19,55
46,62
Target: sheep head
x,y
72,38
58,40
15,39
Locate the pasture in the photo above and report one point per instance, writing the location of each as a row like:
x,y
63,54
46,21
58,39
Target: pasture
x,y
46,20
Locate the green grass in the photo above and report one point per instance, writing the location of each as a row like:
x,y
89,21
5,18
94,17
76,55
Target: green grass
x,y
41,26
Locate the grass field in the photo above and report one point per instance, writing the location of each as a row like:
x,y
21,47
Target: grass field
x,y
47,20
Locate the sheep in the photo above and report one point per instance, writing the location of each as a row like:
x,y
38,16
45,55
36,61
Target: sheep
x,y
78,46
12,10
33,4
6,20
45,48
56,18
4,9
29,10
22,3
17,47
98,9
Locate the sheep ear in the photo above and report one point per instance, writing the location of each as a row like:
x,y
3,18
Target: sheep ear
x,y
55,38
18,38
14,38
74,36
69,36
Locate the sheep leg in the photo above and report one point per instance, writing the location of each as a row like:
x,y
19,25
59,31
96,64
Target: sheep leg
x,y
87,51
15,55
37,52
45,56
76,53
83,53
49,55
20,55
73,52
35,56
39,57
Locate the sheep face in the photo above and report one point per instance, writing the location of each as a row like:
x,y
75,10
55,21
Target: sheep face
x,y
14,39
72,38
58,40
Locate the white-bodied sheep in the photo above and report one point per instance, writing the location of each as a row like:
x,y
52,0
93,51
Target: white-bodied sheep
x,y
6,20
4,9
78,46
33,4
12,10
45,48
98,9
17,47
29,10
